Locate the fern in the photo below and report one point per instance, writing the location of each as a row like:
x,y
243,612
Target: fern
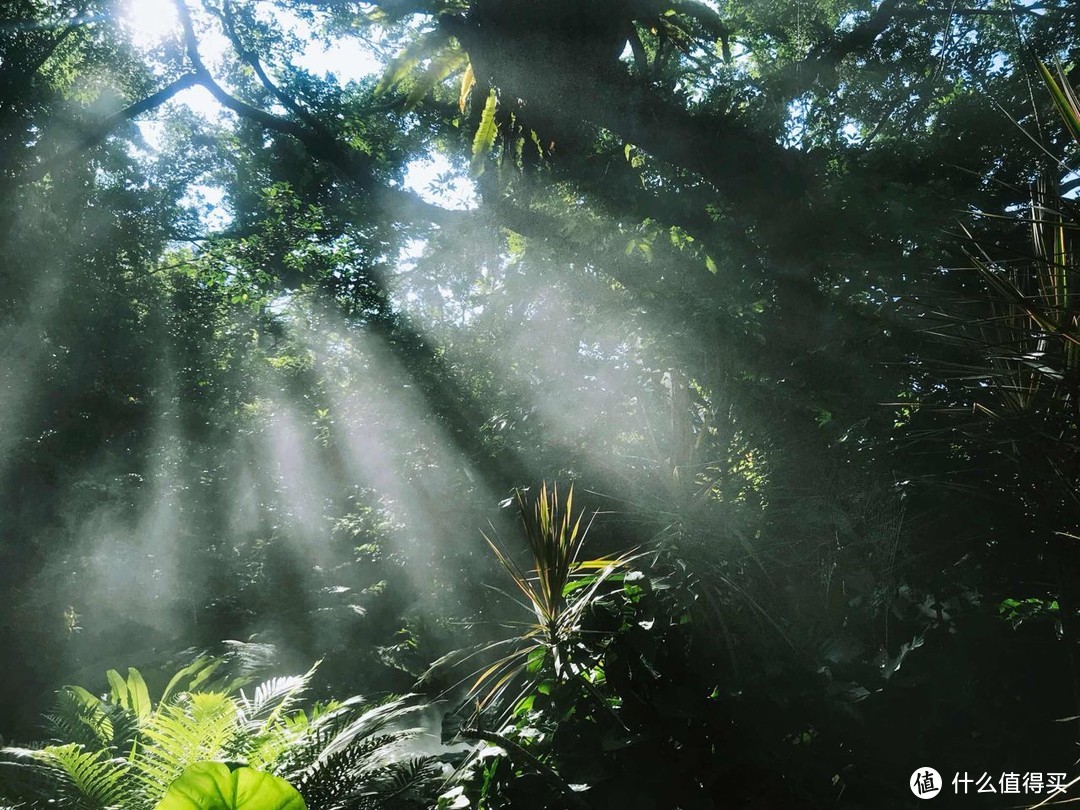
x,y
26,782
442,66
80,717
83,780
425,46
350,776
122,751
271,699
406,779
200,727
131,693
352,761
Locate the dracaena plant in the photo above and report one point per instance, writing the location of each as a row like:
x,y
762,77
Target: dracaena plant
x,y
124,750
556,589
1031,341
593,634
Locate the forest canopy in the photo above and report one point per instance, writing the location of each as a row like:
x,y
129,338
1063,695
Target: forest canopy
x,y
641,403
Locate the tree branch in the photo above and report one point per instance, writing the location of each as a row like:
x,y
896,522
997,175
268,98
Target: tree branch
x,y
320,143
252,59
139,107
102,130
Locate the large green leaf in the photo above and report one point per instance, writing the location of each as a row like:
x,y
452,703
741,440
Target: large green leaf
x,y
214,786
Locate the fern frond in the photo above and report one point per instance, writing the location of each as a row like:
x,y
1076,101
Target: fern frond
x,y
80,717
486,133
201,726
25,782
346,772
84,779
130,692
272,699
309,736
403,780
425,46
341,756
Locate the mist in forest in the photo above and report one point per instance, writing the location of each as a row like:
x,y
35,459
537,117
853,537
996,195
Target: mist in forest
x,y
635,404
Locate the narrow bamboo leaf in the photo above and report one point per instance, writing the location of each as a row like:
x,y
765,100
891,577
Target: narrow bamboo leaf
x,y
1063,100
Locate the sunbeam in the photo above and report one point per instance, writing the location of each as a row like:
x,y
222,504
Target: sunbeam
x,y
645,404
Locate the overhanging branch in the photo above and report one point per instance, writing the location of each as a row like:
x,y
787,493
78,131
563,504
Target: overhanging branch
x,y
100,132
353,165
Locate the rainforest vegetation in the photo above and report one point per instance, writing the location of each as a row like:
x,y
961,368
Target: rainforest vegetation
x,y
510,404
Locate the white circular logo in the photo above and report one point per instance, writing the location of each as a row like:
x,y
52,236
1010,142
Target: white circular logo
x,y
925,783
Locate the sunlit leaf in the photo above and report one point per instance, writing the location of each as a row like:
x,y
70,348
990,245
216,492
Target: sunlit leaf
x,y
484,139
425,46
441,66
214,786
468,79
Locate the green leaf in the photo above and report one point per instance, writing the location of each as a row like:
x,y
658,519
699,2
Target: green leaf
x,y
536,660
118,688
198,666
213,786
584,582
138,694
1064,100
441,66
484,140
468,79
425,46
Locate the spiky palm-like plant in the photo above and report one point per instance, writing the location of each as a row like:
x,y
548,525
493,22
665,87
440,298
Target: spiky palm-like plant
x,y
1032,339
558,591
123,751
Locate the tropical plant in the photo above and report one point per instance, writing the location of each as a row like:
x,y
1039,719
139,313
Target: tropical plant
x,y
559,591
598,686
123,750
217,786
1031,339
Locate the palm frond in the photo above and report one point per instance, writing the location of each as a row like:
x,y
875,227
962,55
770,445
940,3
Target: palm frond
x,y
342,755
402,780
